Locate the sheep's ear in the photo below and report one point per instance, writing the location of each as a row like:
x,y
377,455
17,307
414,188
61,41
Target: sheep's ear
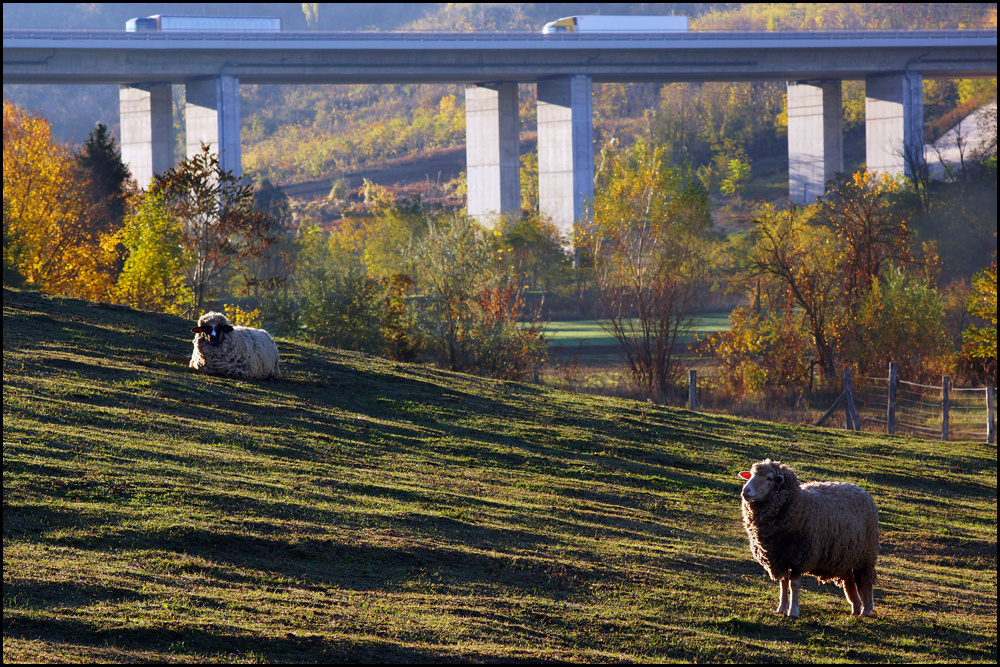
x,y
226,328
745,474
781,480
196,330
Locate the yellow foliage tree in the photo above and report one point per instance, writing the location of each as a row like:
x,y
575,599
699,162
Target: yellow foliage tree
x,y
649,238
152,278
58,250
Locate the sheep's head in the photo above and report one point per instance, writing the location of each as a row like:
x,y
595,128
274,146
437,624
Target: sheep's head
x,y
764,478
213,326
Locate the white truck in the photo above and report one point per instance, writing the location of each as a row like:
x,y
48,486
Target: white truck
x,y
162,23
616,24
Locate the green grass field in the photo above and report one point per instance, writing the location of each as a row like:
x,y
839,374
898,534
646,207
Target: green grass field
x,y
360,510
588,333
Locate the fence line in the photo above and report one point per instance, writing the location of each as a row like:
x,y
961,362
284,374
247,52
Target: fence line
x,y
922,386
926,409
900,405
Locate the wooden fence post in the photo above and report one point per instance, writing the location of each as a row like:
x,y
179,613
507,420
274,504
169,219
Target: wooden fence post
x,y
945,392
890,412
991,422
693,390
851,421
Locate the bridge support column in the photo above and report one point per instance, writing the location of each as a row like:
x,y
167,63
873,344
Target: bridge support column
x,y
565,149
492,149
147,129
212,117
894,122
815,138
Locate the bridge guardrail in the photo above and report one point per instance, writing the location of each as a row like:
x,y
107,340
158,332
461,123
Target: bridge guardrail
x,y
479,37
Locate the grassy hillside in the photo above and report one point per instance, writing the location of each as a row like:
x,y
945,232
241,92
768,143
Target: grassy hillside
x,y
363,510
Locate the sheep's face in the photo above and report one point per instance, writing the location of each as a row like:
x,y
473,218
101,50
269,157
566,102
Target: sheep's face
x,y
213,329
761,480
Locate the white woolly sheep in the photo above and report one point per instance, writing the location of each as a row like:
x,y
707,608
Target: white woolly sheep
x,y
234,352
825,529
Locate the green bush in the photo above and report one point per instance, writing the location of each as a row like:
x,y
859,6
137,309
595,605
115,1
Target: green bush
x,y
337,306
901,319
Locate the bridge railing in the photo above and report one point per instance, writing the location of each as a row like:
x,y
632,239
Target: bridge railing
x,y
53,34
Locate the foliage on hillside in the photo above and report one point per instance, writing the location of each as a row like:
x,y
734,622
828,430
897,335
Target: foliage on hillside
x,y
362,510
843,283
323,131
706,124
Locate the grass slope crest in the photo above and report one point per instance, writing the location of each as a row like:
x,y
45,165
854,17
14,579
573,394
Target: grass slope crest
x,y
369,511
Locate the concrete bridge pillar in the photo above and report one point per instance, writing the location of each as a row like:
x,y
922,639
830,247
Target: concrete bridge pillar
x,y
894,122
492,149
147,129
565,148
815,138
212,117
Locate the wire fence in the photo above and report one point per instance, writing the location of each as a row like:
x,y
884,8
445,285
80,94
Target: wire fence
x,y
893,406
932,411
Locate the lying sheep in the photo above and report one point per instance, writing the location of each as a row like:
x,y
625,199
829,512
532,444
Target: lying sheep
x,y
234,352
825,529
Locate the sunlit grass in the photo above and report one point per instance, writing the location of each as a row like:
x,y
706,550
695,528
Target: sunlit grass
x,y
360,510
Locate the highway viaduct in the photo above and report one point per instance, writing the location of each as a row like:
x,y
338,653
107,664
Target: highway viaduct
x,y
211,66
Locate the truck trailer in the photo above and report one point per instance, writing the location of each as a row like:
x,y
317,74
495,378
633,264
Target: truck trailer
x,y
616,24
162,23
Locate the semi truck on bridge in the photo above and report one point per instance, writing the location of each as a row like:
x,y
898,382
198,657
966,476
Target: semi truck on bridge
x,y
616,24
164,23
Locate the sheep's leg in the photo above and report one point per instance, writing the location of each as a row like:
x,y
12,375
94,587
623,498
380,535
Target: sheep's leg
x,y
783,596
851,591
793,607
866,589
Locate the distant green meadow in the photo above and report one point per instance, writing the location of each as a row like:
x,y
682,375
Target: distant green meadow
x,y
591,332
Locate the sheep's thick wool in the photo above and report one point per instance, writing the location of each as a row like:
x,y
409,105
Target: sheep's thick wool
x,y
234,352
825,529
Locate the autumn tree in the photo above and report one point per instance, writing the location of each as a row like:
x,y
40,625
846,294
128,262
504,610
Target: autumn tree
x,y
830,256
532,249
12,248
469,315
761,349
901,319
48,237
340,305
804,260
152,275
979,341
387,240
221,227
649,239
453,258
861,213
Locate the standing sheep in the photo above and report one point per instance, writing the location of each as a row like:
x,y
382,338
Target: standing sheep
x,y
234,352
825,529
